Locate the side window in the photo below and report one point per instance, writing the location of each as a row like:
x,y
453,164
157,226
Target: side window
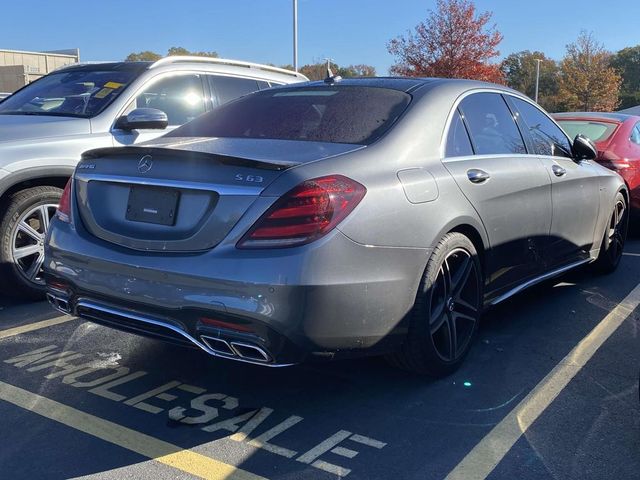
x,y
230,88
458,143
548,138
263,85
491,125
635,134
181,97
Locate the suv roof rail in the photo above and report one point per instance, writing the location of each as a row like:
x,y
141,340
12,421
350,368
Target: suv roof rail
x,y
224,61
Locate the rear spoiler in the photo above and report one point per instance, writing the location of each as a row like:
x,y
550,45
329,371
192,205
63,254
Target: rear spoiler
x,y
164,152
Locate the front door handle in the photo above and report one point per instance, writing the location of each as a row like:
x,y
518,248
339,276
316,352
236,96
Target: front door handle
x,y
558,171
475,175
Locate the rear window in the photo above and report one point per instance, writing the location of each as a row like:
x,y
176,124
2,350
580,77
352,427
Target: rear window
x,y
596,131
333,114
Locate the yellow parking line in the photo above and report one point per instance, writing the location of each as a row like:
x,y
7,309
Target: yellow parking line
x,y
484,457
150,447
30,327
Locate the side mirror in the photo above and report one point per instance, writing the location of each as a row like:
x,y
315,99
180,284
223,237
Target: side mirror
x,y
584,148
141,118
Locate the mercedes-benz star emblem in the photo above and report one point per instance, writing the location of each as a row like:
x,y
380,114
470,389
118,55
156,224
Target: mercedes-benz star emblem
x,y
145,164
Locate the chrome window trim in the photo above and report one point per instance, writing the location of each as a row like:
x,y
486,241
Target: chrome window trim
x,y
458,100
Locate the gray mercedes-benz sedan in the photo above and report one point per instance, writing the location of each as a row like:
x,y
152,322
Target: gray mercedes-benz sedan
x,y
327,219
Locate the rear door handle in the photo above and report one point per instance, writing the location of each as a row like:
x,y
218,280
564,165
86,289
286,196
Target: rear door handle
x,y
475,175
558,171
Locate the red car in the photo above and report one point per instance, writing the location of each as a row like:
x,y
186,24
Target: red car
x,y
617,138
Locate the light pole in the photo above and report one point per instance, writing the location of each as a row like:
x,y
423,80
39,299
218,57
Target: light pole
x,y
537,77
295,35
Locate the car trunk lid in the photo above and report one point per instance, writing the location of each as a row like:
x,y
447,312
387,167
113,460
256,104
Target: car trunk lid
x,y
182,195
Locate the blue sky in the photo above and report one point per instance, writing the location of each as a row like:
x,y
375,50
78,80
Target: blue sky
x,y
350,31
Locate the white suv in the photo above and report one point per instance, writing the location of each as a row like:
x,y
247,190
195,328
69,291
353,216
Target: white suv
x,y
45,127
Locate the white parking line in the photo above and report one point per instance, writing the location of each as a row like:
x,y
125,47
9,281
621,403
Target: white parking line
x,y
30,327
486,455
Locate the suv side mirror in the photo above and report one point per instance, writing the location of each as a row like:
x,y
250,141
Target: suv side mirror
x,y
143,118
584,148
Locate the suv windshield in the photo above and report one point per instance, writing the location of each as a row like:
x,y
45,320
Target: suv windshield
x,y
334,114
74,93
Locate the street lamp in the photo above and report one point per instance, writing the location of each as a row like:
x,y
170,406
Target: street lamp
x,y
537,77
295,35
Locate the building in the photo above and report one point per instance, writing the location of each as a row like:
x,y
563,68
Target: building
x,y
19,68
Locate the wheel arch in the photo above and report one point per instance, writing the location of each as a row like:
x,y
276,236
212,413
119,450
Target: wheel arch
x,y
34,177
476,238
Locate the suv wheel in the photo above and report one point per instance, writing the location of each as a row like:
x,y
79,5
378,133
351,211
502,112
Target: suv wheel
x,y
23,228
446,312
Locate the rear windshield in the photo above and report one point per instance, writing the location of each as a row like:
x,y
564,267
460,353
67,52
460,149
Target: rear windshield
x,y
596,131
77,93
333,114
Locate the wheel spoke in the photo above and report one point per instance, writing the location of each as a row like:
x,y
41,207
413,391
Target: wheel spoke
x,y
22,252
44,216
453,339
27,229
437,322
465,308
446,275
462,275
35,267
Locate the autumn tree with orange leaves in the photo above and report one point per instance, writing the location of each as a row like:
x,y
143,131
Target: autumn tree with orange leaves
x,y
454,42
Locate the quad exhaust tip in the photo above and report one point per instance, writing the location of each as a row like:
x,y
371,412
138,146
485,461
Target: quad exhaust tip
x,y
59,303
246,351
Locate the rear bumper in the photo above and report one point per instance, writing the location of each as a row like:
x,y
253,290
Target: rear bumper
x,y
332,297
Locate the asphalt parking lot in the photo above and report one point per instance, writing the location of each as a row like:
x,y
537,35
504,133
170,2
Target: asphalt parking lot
x,y
541,395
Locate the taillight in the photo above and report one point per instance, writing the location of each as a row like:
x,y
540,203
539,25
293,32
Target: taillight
x,y
64,207
306,213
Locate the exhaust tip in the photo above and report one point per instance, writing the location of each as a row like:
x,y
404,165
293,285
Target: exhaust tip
x,y
250,352
59,304
218,345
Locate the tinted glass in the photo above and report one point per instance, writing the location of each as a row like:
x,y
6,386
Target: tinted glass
x,y
491,125
344,114
596,131
548,138
458,143
181,97
80,93
230,88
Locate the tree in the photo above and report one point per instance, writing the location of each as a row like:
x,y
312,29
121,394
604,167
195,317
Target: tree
x,y
359,70
146,56
318,71
150,56
627,63
519,70
454,41
587,81
175,51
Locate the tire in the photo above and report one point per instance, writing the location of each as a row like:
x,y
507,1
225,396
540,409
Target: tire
x,y
20,274
442,304
614,237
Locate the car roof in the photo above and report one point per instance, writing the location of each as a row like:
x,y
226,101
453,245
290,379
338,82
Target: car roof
x,y
409,84
221,65
606,116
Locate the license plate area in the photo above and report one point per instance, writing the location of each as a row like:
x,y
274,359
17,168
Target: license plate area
x,y
155,205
